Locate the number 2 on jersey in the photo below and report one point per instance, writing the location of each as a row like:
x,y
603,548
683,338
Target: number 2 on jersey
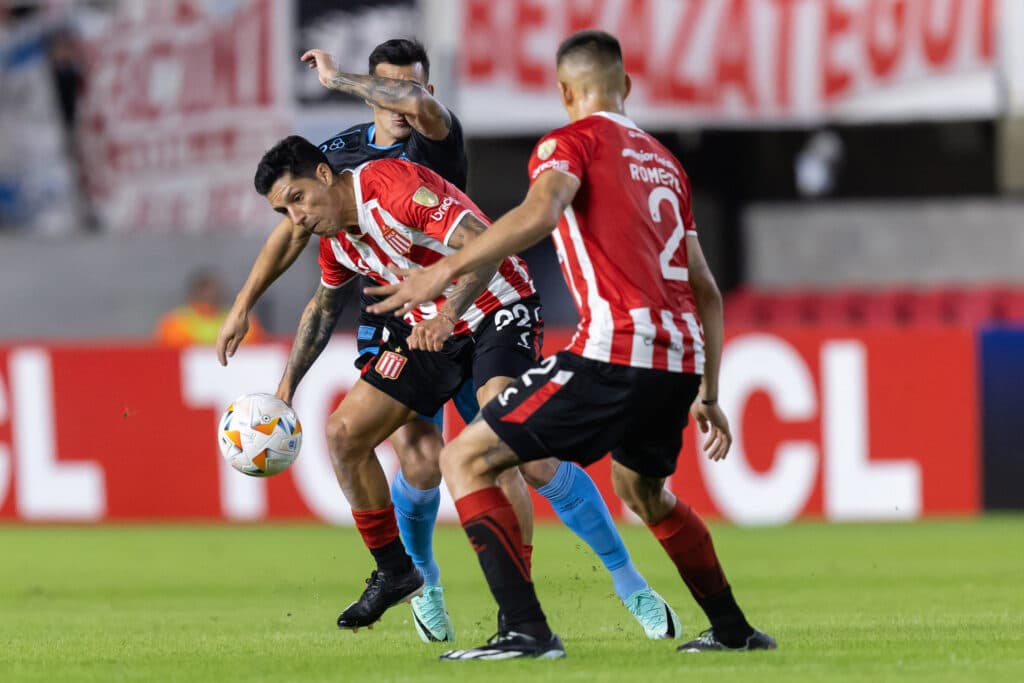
x,y
654,200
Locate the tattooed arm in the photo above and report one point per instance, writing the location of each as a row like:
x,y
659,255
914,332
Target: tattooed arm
x,y
421,108
430,335
315,328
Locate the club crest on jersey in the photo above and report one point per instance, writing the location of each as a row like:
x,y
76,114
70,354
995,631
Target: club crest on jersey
x,y
396,239
390,364
546,149
424,197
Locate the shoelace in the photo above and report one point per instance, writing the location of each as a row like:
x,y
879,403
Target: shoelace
x,y
648,608
707,636
432,609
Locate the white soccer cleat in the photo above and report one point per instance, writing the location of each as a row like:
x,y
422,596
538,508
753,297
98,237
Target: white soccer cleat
x,y
430,616
660,621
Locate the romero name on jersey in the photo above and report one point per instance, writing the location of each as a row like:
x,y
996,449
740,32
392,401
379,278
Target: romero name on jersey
x,y
641,311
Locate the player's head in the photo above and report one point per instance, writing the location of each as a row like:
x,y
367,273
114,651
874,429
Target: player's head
x,y
591,76
405,60
298,182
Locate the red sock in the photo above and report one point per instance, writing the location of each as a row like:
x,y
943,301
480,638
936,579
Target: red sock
x,y
528,556
377,527
492,528
687,541
379,530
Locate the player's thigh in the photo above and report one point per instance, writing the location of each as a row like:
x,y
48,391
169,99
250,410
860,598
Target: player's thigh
x,y
364,418
642,493
567,407
658,412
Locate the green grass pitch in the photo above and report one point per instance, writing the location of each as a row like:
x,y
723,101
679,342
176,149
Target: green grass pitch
x,y
932,601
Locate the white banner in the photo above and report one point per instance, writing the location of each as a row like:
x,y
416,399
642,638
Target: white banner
x,y
183,99
737,62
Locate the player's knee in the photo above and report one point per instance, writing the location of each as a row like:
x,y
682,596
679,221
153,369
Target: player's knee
x,y
422,473
538,473
342,442
644,496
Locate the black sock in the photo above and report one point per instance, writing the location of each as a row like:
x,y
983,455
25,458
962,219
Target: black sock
x,y
726,617
392,557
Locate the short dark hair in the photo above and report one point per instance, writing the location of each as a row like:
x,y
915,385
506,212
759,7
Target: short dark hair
x,y
295,155
597,43
400,52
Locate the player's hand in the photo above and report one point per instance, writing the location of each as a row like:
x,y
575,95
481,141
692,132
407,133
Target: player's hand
x,y
324,64
712,421
232,332
430,335
418,286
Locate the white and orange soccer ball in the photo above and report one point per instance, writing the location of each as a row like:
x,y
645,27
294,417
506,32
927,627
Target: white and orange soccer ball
x,y
259,435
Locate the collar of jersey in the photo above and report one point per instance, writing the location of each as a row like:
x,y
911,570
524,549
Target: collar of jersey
x,y
369,138
618,118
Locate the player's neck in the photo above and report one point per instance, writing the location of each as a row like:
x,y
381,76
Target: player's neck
x,y
592,106
381,137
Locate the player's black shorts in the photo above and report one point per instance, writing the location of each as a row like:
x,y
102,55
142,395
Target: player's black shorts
x,y
508,342
578,409
505,345
421,380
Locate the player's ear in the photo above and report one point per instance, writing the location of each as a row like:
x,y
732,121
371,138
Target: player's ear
x,y
567,95
628,84
430,88
324,174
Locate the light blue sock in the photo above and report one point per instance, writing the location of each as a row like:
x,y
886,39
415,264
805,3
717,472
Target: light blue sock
x,y
416,511
574,496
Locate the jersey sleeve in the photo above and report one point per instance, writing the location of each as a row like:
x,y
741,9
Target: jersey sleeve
x,y
332,273
424,201
561,150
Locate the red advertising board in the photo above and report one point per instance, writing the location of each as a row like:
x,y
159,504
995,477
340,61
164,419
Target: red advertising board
x,y
838,424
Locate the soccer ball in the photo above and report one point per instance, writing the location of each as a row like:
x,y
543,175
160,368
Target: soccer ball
x,y
259,435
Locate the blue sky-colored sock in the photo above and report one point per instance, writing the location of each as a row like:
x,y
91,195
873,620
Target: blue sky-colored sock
x,y
416,511
574,496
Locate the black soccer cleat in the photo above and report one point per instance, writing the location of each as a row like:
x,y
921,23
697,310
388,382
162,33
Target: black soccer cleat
x,y
510,645
383,591
707,642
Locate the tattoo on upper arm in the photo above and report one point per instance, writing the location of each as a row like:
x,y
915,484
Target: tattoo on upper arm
x,y
469,227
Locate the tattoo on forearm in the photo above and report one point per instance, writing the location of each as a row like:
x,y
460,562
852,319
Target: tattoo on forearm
x,y
315,329
390,93
471,285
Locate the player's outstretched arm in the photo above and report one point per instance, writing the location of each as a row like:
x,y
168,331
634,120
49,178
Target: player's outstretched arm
x,y
278,253
423,111
525,225
315,329
430,335
710,418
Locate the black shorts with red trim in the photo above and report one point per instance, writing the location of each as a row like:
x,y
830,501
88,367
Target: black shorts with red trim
x,y
508,341
574,408
421,380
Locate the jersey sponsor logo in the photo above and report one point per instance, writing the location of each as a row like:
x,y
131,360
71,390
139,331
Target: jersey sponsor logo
x,y
443,209
397,240
424,197
559,164
644,157
546,149
390,364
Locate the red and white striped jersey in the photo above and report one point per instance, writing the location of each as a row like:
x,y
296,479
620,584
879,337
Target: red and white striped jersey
x,y
621,244
407,214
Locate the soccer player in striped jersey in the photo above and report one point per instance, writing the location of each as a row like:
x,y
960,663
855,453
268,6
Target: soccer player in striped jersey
x,y
646,351
392,214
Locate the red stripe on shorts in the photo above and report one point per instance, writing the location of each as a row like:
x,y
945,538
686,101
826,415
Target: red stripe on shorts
x,y
528,407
